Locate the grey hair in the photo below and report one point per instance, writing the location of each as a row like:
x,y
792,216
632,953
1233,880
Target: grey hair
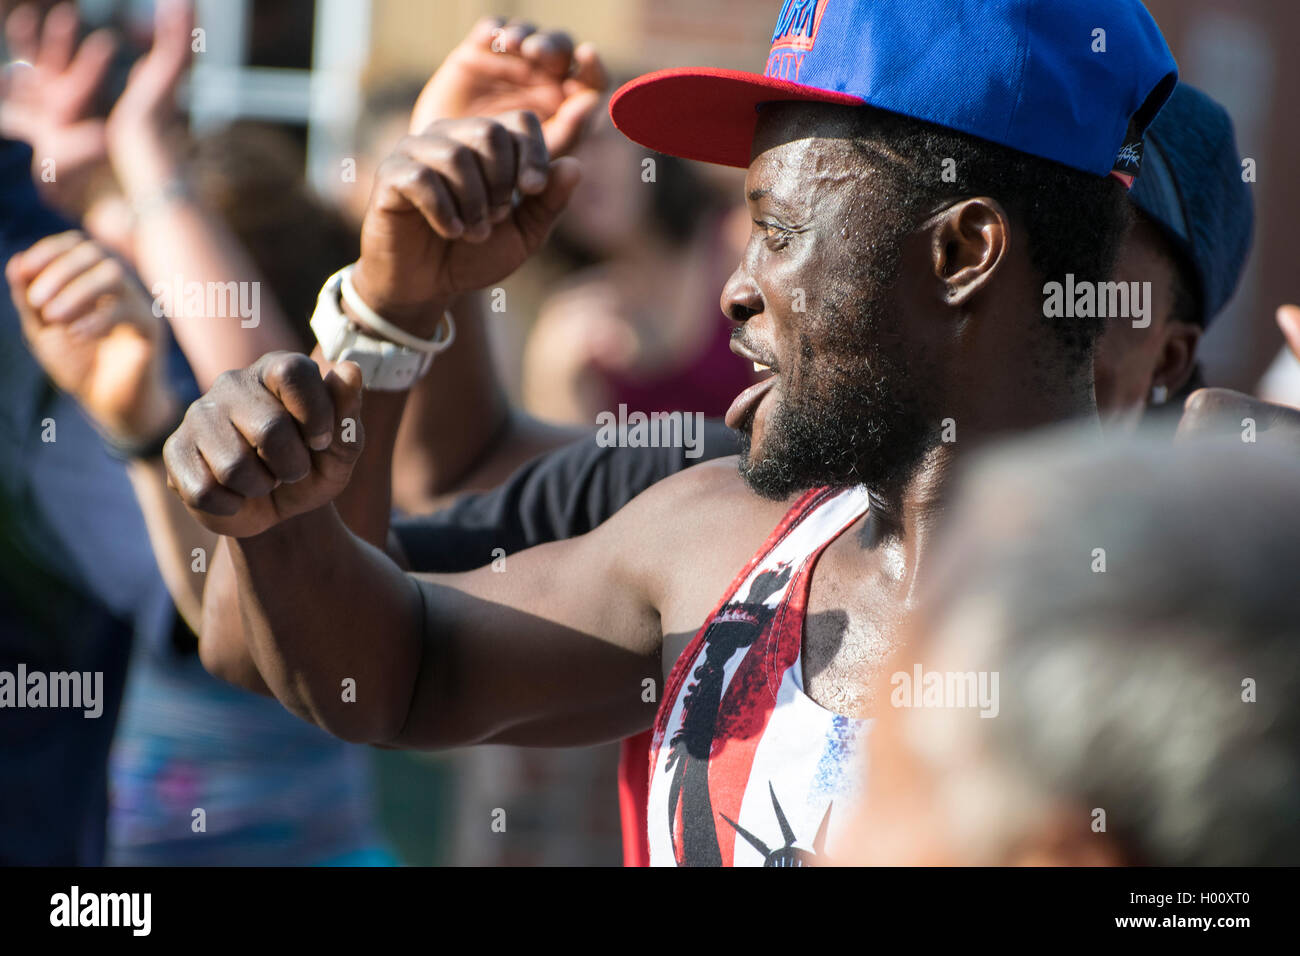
x,y
1124,689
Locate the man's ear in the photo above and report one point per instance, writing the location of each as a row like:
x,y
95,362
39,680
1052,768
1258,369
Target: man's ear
x,y
1177,356
968,242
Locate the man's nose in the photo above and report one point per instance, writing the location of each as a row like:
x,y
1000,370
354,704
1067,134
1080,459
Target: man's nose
x,y
741,299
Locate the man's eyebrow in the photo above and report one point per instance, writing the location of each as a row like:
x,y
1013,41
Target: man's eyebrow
x,y
755,195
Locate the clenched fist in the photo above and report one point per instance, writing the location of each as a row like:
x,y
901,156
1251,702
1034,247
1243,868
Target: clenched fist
x,y
267,443
456,209
91,326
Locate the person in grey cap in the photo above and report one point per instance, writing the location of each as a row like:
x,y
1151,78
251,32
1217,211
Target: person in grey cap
x,y
1190,242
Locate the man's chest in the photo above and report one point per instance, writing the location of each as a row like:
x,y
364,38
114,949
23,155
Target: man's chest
x,y
851,624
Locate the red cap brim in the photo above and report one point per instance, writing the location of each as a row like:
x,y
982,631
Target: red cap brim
x,y
703,114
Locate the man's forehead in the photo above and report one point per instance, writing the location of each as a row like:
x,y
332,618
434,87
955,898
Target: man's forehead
x,y
803,146
797,169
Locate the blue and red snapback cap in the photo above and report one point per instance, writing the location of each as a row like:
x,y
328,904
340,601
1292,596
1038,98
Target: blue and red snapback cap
x,y
1074,81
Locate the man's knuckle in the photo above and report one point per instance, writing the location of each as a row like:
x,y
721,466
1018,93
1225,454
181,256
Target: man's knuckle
x,y
423,178
228,467
291,368
206,495
275,432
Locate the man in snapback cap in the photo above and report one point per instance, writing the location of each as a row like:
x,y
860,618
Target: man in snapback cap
x,y
916,172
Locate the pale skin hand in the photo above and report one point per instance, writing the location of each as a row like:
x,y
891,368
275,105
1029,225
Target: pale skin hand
x,y
1211,412
90,326
503,66
47,104
139,125
174,236
1288,320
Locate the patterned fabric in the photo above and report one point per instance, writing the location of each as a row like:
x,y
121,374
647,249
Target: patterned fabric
x,y
745,768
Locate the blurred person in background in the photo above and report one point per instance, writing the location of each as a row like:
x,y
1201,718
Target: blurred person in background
x,y
77,582
173,751
641,252
185,741
1190,241
384,120
1145,713
200,773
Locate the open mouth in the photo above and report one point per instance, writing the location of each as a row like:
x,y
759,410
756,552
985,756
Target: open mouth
x,y
746,403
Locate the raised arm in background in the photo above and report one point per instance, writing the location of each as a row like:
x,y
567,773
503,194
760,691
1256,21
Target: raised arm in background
x,y
90,325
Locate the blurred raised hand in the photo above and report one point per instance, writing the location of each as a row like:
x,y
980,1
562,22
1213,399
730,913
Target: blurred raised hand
x,y
92,327
47,94
502,66
1220,412
1288,320
140,124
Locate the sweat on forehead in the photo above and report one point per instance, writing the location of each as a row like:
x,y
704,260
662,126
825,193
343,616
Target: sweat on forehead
x,y
820,146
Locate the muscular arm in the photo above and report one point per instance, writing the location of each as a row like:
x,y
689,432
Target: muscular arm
x,y
363,507
551,651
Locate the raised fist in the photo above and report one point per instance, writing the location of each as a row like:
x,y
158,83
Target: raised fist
x,y
456,209
267,443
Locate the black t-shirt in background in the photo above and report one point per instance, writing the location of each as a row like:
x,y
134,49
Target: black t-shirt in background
x,y
561,494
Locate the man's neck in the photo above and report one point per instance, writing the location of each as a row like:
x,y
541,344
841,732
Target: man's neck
x,y
899,527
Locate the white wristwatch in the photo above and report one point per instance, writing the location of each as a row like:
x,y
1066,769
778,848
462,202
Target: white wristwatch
x,y
390,364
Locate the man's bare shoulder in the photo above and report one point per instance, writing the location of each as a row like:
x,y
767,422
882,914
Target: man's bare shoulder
x,y
705,495
685,537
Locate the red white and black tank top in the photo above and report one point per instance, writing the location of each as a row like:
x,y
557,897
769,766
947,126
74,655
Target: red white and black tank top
x,y
745,768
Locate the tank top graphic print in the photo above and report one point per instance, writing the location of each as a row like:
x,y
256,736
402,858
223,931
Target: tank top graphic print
x,y
745,768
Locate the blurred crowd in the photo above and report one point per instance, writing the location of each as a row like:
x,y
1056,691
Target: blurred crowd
x,y
145,260
232,204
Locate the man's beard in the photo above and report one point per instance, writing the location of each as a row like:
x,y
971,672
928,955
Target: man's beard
x,y
855,416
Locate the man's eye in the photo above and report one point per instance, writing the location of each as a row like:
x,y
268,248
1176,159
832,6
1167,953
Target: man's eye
x,y
775,236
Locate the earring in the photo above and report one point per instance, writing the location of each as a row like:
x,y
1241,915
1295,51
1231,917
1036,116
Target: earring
x,y
1159,394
